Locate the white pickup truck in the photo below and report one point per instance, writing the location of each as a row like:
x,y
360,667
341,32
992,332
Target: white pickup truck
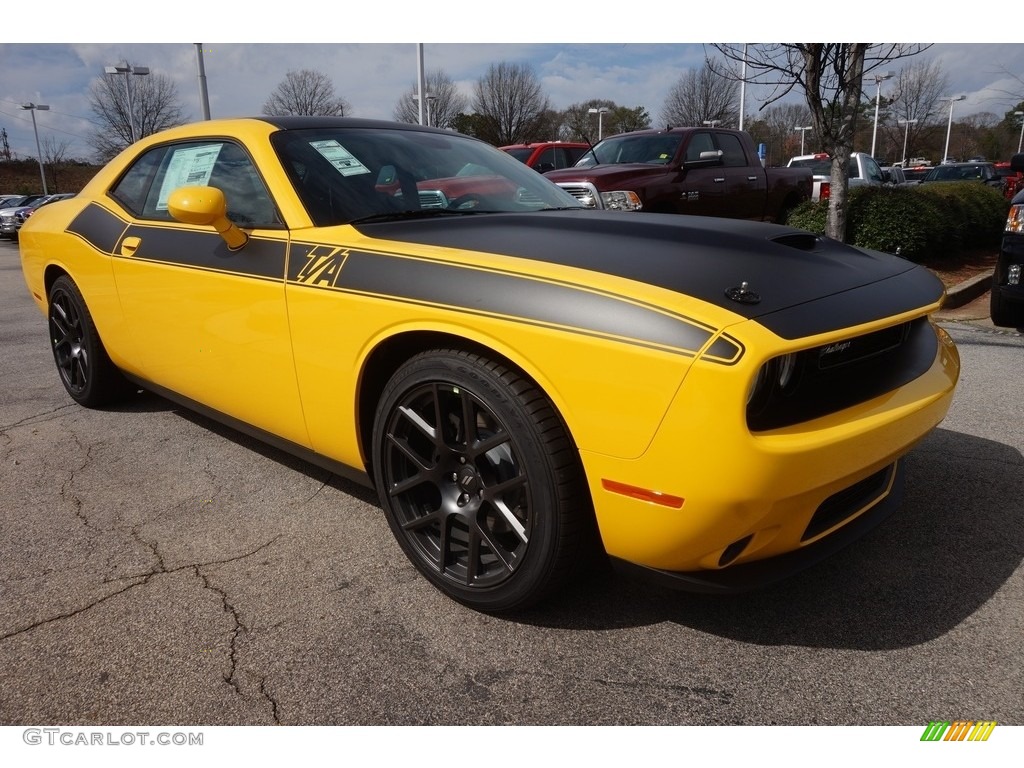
x,y
864,171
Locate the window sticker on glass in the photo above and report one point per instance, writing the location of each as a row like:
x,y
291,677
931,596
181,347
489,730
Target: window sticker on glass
x,y
188,167
339,157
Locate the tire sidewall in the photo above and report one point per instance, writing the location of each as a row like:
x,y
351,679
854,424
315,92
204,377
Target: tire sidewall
x,y
484,381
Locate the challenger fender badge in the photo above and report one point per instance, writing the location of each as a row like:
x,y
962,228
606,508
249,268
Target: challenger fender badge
x,y
743,294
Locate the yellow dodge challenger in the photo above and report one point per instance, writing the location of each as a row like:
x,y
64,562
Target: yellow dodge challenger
x,y
718,403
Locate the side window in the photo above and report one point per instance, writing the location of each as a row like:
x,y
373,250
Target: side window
x,y
146,186
699,142
874,173
734,156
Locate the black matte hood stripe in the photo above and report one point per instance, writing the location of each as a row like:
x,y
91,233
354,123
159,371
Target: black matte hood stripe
x,y
699,257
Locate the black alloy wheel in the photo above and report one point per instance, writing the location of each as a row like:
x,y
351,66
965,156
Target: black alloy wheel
x,y
479,480
85,370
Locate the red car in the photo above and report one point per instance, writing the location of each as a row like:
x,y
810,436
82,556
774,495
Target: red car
x,y
547,156
1013,181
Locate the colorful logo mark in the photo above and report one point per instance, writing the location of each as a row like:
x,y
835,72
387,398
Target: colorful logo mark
x,y
959,730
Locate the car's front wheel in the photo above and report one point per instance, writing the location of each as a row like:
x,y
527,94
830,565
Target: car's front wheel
x,y
479,480
1002,312
84,367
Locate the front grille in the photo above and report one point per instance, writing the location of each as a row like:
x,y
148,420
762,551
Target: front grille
x,y
585,193
432,198
835,376
848,502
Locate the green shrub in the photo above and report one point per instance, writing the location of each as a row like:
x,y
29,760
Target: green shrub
x,y
920,222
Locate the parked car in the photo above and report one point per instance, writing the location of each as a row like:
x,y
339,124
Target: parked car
x,y
697,171
1013,181
981,172
1006,298
24,213
8,225
547,155
862,168
916,173
718,403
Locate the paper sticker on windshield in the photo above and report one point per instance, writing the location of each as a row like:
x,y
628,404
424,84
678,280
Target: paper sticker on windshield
x,y
189,167
339,157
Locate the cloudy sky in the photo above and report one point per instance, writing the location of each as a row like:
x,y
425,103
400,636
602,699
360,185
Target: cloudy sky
x,y
371,75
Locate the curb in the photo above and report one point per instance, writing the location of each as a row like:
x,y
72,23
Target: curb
x,y
967,291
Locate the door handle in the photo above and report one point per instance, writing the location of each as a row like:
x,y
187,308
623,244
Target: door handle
x,y
130,245
720,180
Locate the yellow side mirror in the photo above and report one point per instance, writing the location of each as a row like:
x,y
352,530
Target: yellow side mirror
x,y
206,206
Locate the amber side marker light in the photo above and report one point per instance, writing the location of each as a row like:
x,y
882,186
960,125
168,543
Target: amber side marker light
x,y
654,497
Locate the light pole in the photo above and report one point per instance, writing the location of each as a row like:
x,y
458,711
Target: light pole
x,y
906,134
599,111
127,69
878,77
426,104
1021,139
803,132
39,152
949,127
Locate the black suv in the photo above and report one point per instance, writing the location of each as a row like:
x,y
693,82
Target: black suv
x,y
1007,297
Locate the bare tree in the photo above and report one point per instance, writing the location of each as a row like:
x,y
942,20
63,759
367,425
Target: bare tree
x,y
55,155
5,146
777,127
443,102
579,124
510,102
155,107
703,95
831,76
916,93
306,92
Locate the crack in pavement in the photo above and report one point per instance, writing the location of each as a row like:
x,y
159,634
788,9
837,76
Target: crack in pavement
x,y
137,580
43,417
75,500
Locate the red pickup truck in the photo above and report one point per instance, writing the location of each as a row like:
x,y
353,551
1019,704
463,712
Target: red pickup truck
x,y
701,171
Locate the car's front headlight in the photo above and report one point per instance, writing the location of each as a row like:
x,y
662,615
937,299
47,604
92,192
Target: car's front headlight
x,y
621,201
1015,219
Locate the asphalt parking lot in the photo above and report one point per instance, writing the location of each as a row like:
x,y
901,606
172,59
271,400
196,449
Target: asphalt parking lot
x,y
159,568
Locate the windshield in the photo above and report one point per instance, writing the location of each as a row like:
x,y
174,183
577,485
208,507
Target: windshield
x,y
347,175
650,149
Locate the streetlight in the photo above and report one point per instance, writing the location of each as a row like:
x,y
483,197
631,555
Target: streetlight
x,y
878,77
803,132
949,127
599,111
1021,139
127,69
906,134
712,123
426,103
39,152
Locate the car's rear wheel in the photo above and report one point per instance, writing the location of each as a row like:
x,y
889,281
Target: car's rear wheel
x,y
479,480
84,367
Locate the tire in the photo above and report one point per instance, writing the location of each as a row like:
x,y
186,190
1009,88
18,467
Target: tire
x,y
84,367
496,515
1002,313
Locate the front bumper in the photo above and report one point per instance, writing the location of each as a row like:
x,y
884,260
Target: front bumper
x,y
759,574
789,495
